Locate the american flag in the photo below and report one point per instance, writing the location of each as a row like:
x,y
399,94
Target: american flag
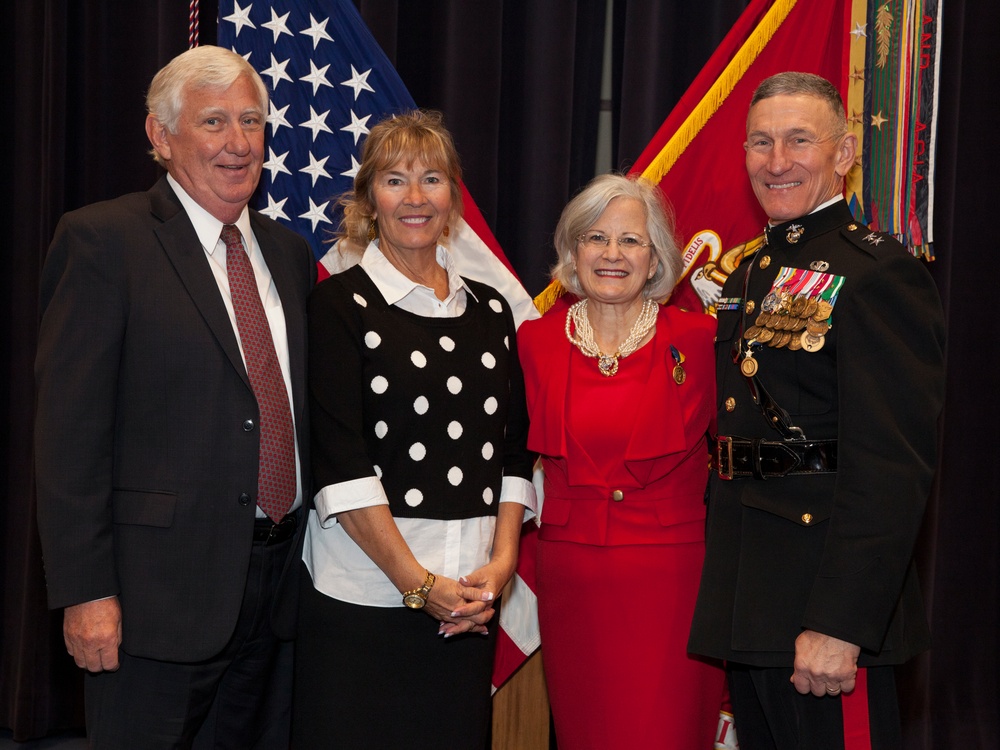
x,y
330,82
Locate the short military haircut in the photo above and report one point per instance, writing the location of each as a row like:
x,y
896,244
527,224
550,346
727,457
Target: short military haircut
x,y
793,83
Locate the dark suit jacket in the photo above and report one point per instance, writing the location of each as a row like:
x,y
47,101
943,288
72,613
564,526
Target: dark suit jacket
x,y
146,477
828,552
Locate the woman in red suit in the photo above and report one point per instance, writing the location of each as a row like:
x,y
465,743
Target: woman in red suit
x,y
621,392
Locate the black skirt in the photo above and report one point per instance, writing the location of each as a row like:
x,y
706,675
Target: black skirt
x,y
381,678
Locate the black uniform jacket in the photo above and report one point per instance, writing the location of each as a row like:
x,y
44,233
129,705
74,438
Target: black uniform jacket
x,y
829,552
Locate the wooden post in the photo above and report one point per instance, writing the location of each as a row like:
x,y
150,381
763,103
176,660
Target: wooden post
x,y
521,710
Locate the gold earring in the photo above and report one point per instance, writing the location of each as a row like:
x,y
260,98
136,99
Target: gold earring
x,y
373,230
446,231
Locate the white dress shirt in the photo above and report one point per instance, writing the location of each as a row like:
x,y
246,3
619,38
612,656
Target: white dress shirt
x,y
209,231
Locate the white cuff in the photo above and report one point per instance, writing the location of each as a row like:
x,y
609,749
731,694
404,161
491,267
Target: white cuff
x,y
518,490
344,496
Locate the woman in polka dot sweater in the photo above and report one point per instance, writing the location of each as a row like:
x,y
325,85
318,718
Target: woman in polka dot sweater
x,y
419,452
621,393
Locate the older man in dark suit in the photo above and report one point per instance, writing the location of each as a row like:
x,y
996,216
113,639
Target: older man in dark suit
x,y
171,435
830,367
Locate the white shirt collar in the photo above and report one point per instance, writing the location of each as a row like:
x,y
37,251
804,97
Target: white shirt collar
x,y
820,207
825,204
207,227
394,285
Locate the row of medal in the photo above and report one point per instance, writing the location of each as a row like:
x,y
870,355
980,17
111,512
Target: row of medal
x,y
799,323
787,320
796,314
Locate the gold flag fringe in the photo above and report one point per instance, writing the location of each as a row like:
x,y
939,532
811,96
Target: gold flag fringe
x,y
720,91
548,296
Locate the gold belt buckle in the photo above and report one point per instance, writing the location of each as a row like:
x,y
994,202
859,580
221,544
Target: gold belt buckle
x,y
724,457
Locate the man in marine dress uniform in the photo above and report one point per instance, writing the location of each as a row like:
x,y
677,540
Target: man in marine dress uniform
x,y
830,372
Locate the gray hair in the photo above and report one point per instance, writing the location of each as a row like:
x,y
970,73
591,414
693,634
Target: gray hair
x,y
585,208
793,83
200,67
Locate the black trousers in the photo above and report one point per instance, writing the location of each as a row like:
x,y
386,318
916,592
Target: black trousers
x,y
237,700
770,714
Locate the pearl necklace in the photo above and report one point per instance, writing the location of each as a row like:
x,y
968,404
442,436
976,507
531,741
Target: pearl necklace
x,y
584,338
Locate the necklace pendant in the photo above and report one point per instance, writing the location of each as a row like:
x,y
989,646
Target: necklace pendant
x,y
607,364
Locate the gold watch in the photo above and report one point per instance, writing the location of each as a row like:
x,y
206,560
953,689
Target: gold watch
x,y
417,598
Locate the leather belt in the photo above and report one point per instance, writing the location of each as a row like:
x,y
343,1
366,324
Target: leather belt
x,y
735,457
267,531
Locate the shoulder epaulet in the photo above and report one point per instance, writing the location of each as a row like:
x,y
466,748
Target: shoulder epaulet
x,y
868,240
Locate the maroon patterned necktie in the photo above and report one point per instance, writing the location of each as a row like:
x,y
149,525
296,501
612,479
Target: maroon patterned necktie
x,y
276,475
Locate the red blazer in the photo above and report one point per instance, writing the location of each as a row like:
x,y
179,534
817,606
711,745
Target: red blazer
x,y
667,454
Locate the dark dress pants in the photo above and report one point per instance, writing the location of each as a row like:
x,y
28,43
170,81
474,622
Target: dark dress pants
x,y
238,700
769,714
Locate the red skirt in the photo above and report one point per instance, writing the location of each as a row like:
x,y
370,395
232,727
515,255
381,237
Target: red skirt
x,y
614,625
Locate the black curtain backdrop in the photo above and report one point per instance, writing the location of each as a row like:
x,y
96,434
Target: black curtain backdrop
x,y
519,83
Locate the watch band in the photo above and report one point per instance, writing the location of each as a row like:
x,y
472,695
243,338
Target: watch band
x,y
417,598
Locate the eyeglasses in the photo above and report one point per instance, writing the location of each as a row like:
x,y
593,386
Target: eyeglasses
x,y
596,240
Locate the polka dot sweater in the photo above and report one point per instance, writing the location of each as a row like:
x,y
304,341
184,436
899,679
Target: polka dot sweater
x,y
434,407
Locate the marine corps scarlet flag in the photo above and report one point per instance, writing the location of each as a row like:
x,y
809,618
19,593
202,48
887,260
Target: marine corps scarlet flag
x,y
696,157
883,55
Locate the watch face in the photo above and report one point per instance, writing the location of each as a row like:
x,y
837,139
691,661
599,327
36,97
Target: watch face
x,y
414,601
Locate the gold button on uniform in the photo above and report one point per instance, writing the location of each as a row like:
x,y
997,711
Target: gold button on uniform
x,y
764,262
750,306
730,404
617,496
807,518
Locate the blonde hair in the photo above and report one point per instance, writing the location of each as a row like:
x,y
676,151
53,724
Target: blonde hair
x,y
402,138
